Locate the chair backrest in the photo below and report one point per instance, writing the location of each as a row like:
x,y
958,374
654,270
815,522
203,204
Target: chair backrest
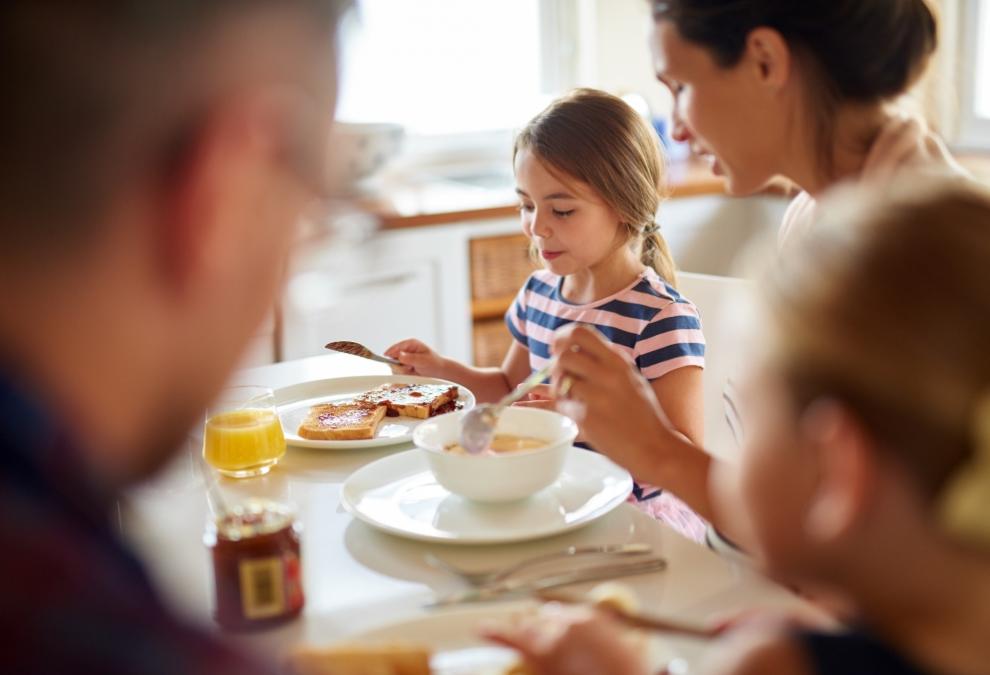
x,y
714,296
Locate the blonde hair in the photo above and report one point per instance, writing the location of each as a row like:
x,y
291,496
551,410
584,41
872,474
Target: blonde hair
x,y
600,140
885,305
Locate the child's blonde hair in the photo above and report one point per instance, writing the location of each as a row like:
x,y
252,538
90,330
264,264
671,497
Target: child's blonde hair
x,y
600,140
885,305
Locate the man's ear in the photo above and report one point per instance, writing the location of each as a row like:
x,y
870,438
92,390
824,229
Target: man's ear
x,y
847,469
208,192
769,57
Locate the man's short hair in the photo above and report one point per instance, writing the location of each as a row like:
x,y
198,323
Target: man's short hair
x,y
89,85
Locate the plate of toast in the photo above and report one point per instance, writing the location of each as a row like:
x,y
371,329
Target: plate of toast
x,y
364,412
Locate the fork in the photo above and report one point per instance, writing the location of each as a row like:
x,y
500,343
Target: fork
x,y
513,588
358,349
492,576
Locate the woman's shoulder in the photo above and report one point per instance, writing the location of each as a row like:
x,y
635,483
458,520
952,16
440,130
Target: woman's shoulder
x,y
798,218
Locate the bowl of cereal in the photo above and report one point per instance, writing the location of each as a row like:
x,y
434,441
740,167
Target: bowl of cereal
x,y
526,455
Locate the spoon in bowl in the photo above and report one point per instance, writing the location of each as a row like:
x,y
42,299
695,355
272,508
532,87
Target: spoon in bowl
x,y
358,349
478,425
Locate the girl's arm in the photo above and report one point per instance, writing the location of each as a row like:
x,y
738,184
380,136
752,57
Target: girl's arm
x,y
487,384
684,467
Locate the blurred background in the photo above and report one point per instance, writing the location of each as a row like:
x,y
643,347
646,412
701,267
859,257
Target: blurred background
x,y
432,92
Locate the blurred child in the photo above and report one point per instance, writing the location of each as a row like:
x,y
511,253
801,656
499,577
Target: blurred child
x,y
589,175
866,467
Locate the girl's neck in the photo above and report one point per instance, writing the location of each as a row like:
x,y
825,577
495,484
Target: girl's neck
x,y
856,128
606,277
933,603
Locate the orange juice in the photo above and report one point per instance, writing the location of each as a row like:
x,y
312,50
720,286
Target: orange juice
x,y
242,443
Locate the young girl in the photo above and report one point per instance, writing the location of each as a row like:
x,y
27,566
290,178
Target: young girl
x,y
589,175
866,471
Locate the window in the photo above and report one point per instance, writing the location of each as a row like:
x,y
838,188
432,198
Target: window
x,y
983,62
445,67
974,122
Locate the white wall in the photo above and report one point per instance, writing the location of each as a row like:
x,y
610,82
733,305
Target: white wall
x,y
614,52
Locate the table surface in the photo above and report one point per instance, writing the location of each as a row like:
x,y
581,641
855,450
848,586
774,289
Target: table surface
x,y
357,578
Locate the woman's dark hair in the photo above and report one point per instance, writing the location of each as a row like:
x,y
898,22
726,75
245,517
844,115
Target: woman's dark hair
x,y
857,51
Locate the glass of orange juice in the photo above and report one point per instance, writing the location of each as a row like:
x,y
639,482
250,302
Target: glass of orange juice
x,y
243,435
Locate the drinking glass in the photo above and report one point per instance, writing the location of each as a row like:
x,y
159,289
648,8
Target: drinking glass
x,y
243,435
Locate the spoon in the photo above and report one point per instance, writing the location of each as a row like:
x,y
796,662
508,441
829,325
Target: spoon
x,y
478,425
358,349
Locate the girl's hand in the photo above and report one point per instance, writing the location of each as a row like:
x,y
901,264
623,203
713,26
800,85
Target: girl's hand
x,y
417,359
540,397
572,641
620,415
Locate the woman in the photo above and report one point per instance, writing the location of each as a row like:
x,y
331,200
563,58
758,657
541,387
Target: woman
x,y
764,88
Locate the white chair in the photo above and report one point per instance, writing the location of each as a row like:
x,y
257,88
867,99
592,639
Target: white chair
x,y
715,297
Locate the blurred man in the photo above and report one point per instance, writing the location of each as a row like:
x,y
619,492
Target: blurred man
x,y
154,158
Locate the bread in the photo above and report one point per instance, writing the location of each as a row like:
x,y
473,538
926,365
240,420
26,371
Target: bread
x,y
393,659
348,421
413,400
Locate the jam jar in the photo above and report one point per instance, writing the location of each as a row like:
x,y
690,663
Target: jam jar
x,y
257,568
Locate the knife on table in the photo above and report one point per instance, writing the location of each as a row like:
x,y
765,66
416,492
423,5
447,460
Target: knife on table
x,y
514,588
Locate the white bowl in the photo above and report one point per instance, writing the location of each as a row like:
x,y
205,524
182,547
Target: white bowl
x,y
498,477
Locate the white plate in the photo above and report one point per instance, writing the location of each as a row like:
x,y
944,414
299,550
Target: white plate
x,y
398,494
295,401
457,649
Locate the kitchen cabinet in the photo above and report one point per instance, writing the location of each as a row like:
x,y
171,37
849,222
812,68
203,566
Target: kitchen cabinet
x,y
399,285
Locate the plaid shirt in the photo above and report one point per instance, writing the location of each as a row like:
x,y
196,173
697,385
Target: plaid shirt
x,y
73,598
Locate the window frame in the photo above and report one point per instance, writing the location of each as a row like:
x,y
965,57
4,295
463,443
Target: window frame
x,y
973,130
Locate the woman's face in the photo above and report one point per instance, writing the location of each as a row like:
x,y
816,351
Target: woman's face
x,y
721,112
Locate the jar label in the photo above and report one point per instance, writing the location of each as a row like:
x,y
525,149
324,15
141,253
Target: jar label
x,y
262,587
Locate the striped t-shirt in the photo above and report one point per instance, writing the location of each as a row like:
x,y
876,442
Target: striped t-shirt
x,y
649,320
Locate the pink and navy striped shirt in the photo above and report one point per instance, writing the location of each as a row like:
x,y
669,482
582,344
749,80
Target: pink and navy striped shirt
x,y
649,320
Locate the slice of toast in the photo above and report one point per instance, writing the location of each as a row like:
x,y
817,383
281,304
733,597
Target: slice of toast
x,y
357,659
413,400
352,420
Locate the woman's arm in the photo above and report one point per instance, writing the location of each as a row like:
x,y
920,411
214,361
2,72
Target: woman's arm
x,y
628,419
487,384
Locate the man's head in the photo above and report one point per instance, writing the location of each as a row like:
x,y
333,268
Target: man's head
x,y
155,156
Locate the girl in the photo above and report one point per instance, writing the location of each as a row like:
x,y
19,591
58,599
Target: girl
x,y
866,472
589,175
765,88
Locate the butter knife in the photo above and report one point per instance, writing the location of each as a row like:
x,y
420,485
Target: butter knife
x,y
514,588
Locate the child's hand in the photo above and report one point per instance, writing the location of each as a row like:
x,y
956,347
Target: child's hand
x,y
417,359
571,640
542,397
539,397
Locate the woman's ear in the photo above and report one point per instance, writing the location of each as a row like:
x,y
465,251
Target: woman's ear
x,y
769,55
847,469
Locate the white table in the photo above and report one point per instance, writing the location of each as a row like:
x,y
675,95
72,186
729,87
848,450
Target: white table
x,y
357,578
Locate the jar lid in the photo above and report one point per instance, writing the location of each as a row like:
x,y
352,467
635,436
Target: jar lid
x,y
253,518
